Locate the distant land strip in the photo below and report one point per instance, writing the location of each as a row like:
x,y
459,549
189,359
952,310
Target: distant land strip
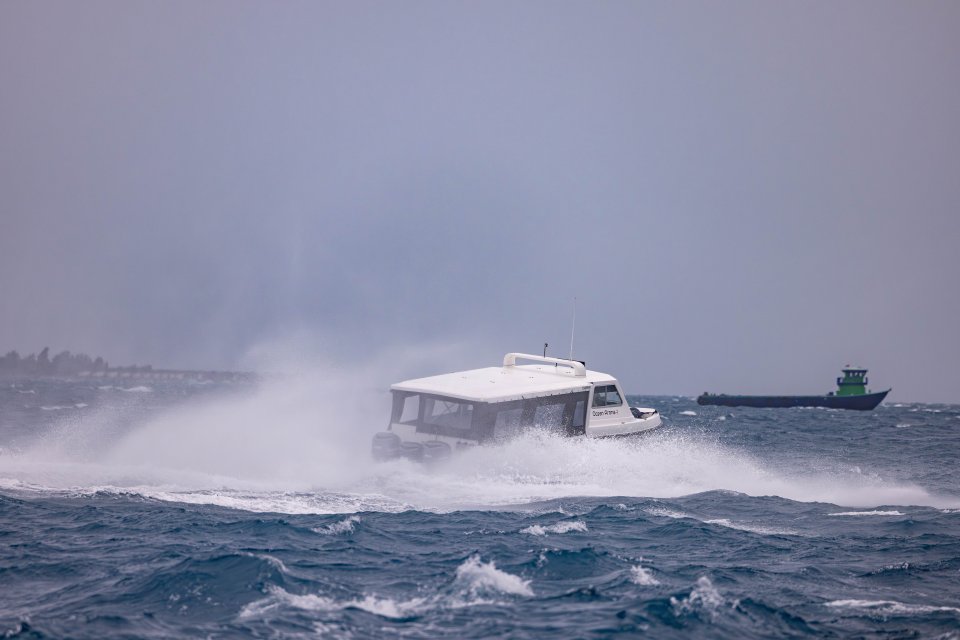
x,y
80,365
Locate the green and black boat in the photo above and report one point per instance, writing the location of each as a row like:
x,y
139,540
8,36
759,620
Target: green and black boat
x,y
851,393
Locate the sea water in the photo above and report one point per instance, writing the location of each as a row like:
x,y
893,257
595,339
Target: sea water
x,y
175,509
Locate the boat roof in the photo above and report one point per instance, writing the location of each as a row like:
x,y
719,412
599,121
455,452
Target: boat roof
x,y
511,381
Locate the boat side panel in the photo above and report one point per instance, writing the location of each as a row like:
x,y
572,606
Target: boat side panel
x,y
865,402
630,427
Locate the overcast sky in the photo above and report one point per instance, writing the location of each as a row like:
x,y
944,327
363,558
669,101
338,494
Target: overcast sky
x,y
743,196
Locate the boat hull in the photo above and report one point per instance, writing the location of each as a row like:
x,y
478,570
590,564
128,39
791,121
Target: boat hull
x,y
866,402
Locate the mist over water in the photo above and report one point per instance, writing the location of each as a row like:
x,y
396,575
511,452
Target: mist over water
x,y
300,444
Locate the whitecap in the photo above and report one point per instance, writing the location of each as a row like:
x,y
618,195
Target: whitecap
x,y
140,389
348,525
475,577
703,597
560,527
866,513
752,528
667,513
890,607
383,607
642,576
688,413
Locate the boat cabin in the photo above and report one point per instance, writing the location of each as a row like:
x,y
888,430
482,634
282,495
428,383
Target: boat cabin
x,y
496,403
853,383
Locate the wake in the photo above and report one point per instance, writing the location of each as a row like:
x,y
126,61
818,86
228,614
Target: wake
x,y
284,448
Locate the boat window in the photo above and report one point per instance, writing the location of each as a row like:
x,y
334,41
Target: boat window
x,y
606,396
613,396
508,423
410,410
600,397
406,407
548,416
448,413
563,414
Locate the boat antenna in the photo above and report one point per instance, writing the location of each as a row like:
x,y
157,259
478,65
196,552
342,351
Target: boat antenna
x,y
573,326
545,345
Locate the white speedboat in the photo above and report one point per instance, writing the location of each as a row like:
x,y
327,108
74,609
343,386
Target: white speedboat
x,y
432,416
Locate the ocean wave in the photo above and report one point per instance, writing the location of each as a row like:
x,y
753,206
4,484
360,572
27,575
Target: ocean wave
x,y
347,525
278,598
477,577
891,607
664,512
642,576
703,598
560,527
474,583
866,513
752,528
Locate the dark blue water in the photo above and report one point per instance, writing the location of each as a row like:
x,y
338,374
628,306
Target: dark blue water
x,y
164,510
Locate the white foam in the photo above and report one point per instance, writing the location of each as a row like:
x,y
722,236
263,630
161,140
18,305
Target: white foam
x,y
667,513
347,525
688,413
473,583
477,577
752,528
866,513
642,576
139,389
383,607
703,597
560,527
891,607
280,448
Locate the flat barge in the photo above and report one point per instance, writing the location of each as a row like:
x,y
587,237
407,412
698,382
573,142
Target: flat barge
x,y
851,394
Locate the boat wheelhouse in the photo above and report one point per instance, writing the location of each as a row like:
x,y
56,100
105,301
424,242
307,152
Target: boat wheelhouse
x,y
431,415
853,383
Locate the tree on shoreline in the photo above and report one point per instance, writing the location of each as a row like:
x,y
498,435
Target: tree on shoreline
x,y
64,363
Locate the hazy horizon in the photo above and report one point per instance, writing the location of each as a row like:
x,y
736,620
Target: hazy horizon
x,y
742,197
